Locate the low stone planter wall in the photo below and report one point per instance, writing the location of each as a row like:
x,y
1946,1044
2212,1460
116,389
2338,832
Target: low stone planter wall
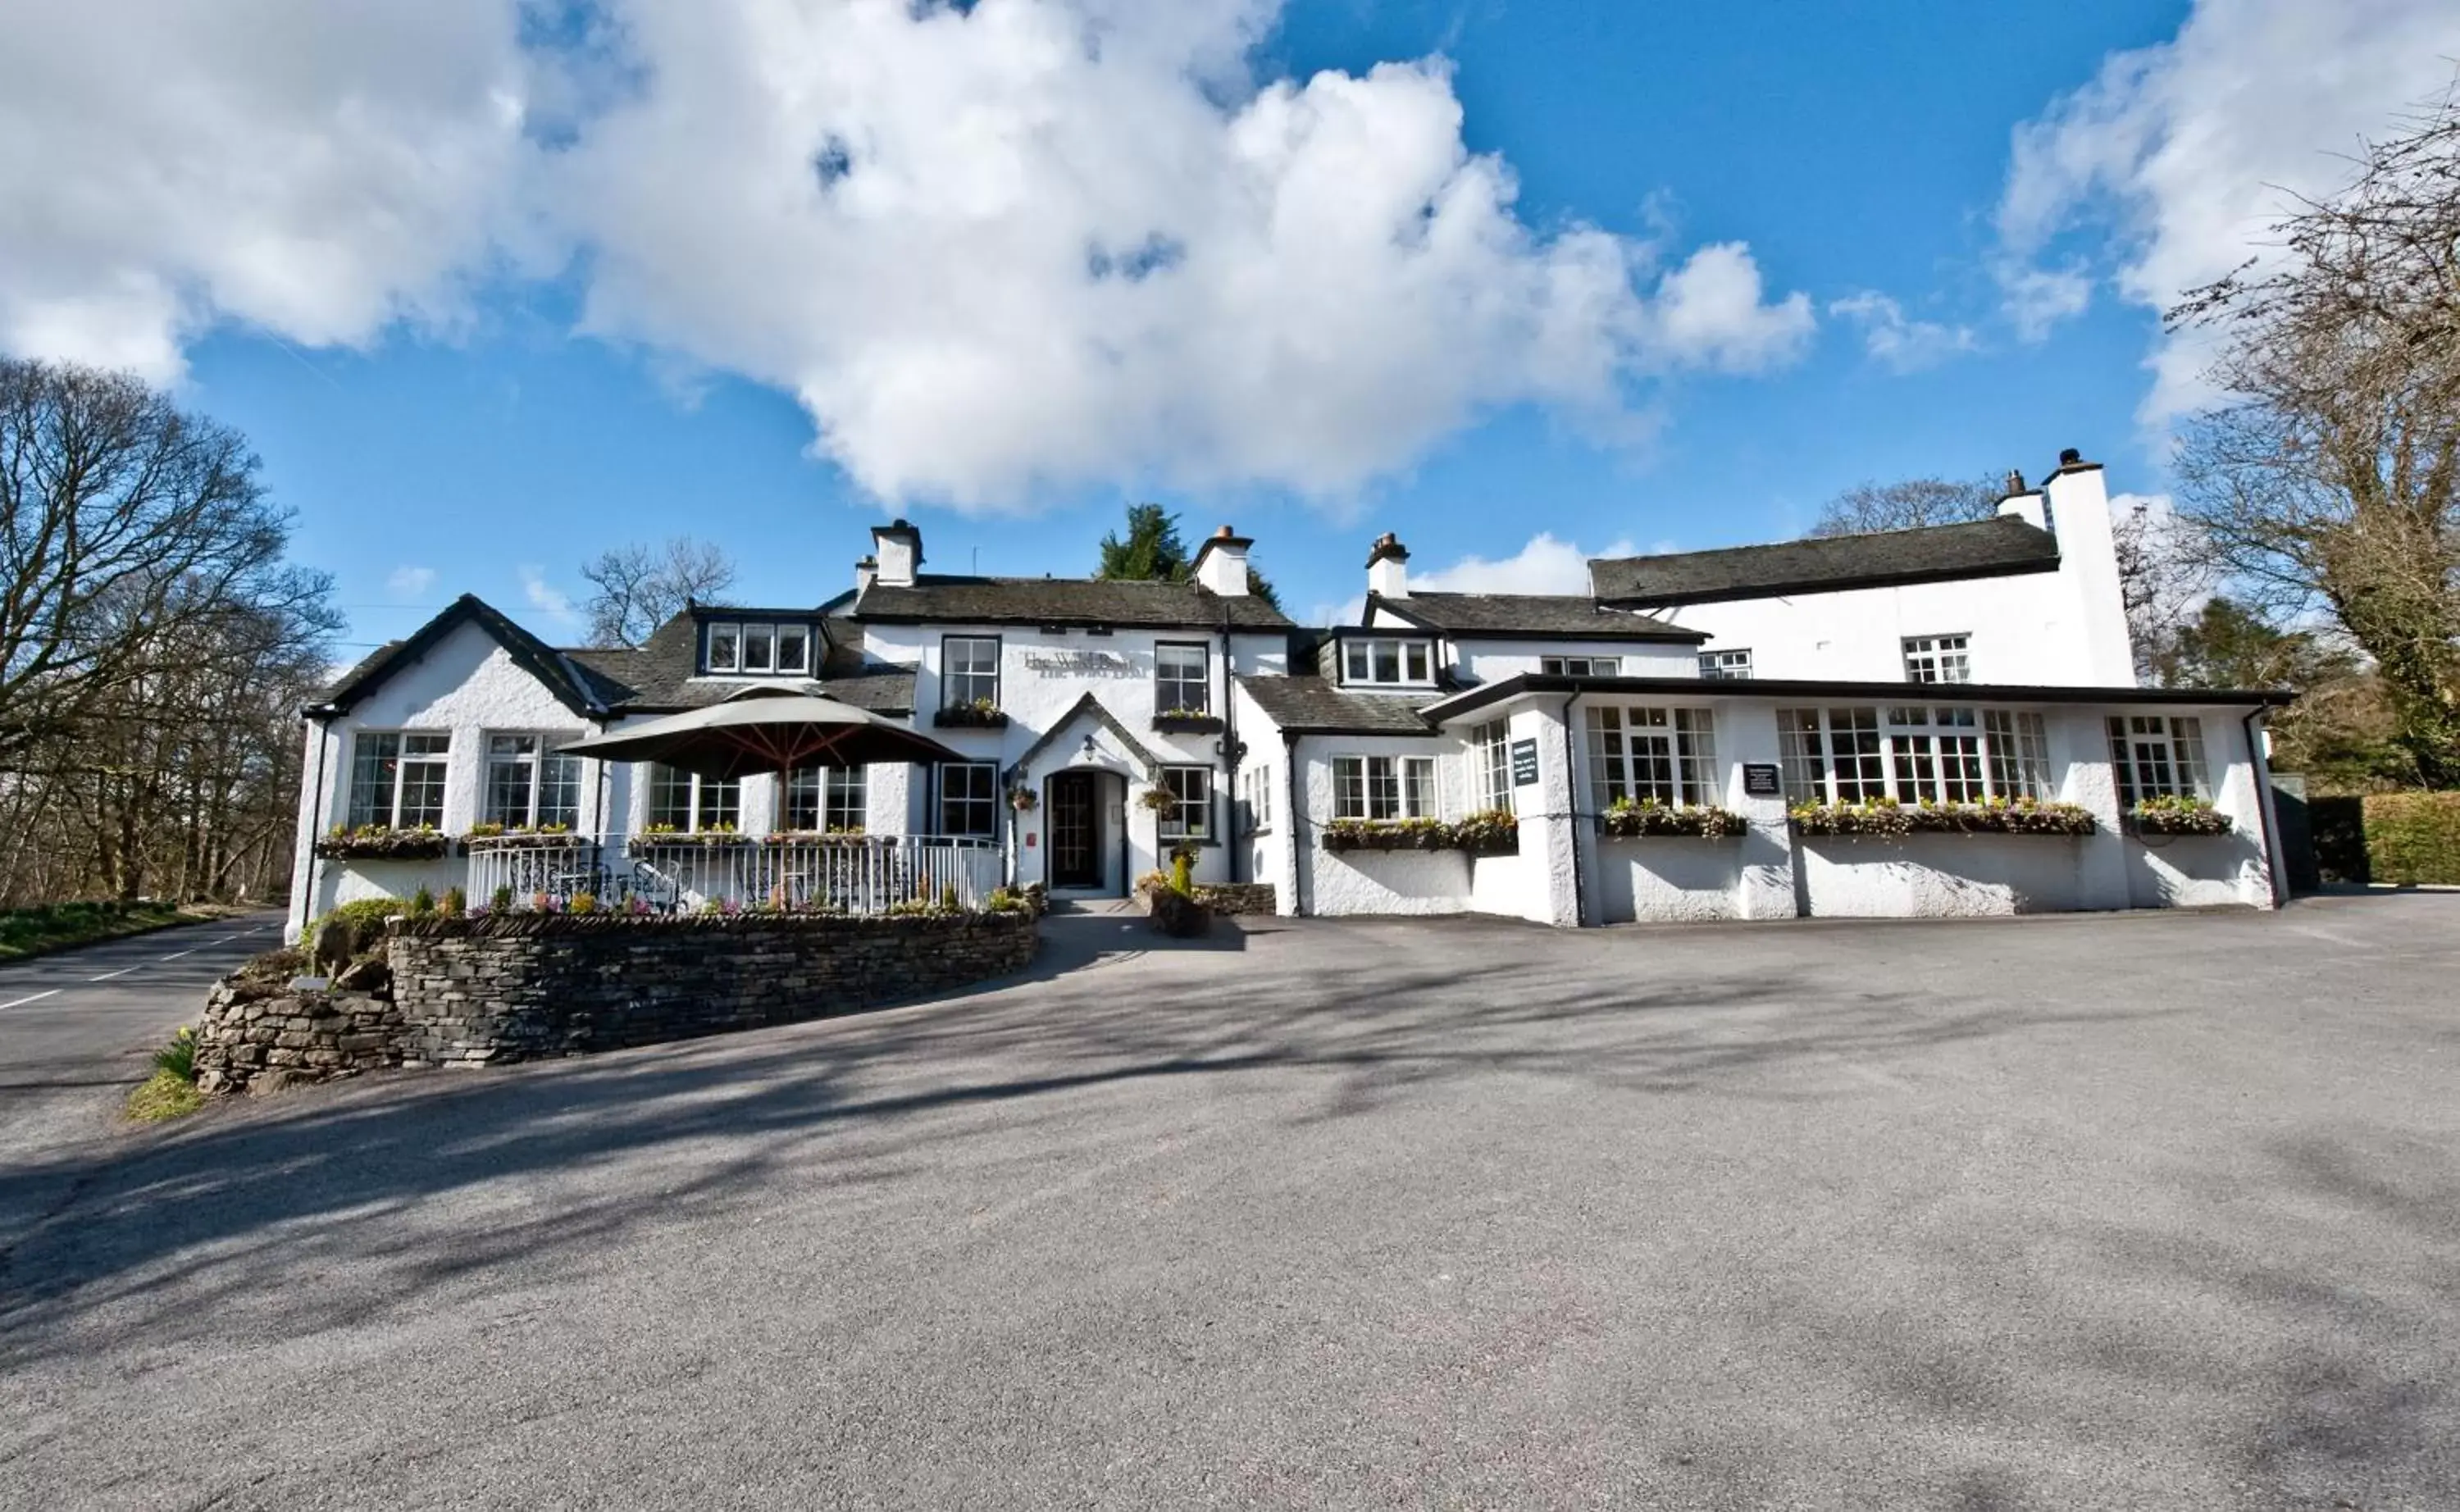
x,y
252,1036
1237,897
528,985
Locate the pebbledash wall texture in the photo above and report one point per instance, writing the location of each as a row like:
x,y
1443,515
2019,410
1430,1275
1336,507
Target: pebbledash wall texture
x,y
526,986
529,986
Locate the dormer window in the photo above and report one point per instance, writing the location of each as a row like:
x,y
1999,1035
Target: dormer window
x,y
758,649
1386,661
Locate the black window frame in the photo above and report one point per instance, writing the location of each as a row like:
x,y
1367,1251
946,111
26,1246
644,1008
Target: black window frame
x,y
990,800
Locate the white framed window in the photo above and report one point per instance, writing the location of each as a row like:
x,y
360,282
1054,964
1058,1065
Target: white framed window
x,y
1915,753
2020,755
724,648
681,801
969,799
1581,665
1938,660
1192,817
757,650
1182,677
969,671
835,799
1256,799
2158,755
1372,660
1490,765
397,778
793,649
1734,663
1640,754
529,784
1377,787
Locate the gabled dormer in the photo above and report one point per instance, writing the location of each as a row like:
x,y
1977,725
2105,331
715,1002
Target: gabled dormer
x,y
1398,660
758,643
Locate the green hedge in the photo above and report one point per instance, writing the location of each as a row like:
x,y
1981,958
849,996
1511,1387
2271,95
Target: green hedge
x,y
2413,837
2388,837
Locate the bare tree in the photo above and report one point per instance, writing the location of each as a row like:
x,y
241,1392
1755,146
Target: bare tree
x,y
1907,505
639,588
2331,477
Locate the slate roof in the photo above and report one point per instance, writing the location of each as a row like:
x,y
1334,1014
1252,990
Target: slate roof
x,y
1063,601
1995,547
1536,616
1315,706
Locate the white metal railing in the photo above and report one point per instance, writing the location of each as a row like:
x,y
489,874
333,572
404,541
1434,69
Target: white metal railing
x,y
683,873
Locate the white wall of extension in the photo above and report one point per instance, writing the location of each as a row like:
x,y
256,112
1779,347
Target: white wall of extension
x,y
2061,629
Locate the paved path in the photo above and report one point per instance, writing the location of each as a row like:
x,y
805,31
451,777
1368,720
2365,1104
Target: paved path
x,y
76,1028
2112,1212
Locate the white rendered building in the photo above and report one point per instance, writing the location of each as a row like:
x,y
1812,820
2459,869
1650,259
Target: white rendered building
x,y
1104,725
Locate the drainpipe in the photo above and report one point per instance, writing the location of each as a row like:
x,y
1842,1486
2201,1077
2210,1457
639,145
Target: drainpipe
x,y
316,863
2266,808
1572,797
1230,753
1290,778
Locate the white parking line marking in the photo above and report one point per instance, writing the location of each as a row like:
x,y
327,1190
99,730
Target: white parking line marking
x,y
108,975
23,1001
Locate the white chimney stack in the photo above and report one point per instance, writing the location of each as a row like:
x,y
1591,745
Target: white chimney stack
x,y
2024,503
1221,563
898,548
2080,516
1387,568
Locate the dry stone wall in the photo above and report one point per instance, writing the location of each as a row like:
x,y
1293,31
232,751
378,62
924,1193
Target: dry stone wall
x,y
257,1035
528,985
1237,897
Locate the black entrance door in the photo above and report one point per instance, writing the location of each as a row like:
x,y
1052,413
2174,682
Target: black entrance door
x,y
1075,851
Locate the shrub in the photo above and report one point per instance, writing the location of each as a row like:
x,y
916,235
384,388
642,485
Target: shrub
x,y
422,903
1626,819
163,1097
365,917
1002,901
949,903
1182,874
456,903
500,900
2413,837
179,1057
582,903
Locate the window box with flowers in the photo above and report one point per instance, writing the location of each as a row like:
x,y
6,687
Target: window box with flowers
x,y
483,839
1886,818
657,837
2178,816
847,838
1388,834
980,714
385,842
1489,832
1626,818
1187,722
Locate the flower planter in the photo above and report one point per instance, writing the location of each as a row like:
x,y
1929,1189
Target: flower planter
x,y
1654,820
1187,724
2178,818
965,716
1173,913
524,839
386,844
1415,834
1886,820
642,844
1492,832
847,839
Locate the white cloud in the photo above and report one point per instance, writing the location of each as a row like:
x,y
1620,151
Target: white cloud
x,y
2187,149
1545,565
994,251
548,599
410,582
1897,343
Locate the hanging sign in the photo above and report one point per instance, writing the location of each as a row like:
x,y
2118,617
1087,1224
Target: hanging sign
x,y
1524,764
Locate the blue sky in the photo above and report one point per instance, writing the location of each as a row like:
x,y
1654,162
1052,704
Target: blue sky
x,y
486,417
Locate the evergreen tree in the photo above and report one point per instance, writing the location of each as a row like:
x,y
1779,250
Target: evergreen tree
x,y
1153,551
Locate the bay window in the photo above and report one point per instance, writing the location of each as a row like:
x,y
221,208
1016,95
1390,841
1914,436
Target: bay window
x,y
529,785
397,778
2158,756
1377,787
1921,754
832,799
1641,753
688,803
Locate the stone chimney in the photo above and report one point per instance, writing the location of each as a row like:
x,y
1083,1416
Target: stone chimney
x,y
897,547
2024,503
1221,563
864,572
1387,568
2080,513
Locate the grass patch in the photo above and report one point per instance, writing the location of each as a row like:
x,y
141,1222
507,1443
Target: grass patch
x,y
166,1096
58,925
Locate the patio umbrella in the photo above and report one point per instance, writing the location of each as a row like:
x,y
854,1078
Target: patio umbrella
x,y
766,730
